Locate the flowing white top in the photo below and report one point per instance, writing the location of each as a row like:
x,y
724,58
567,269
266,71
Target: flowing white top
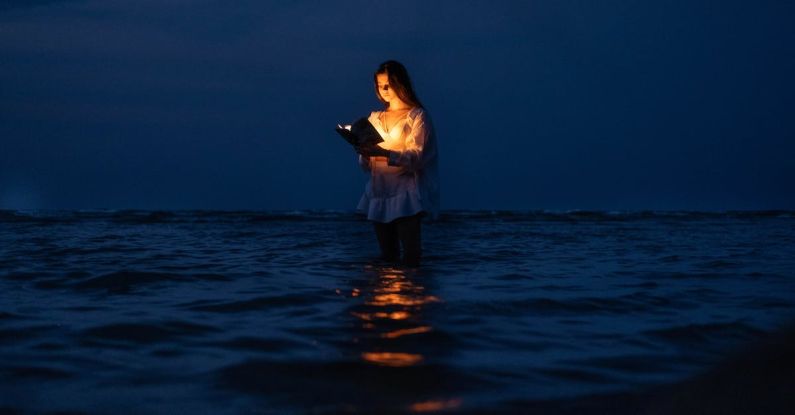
x,y
406,182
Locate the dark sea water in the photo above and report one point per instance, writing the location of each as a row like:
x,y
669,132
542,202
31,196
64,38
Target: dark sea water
x,y
128,312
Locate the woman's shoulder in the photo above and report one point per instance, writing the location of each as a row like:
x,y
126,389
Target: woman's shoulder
x,y
419,114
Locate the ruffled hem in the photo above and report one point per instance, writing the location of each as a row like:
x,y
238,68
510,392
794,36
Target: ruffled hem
x,y
390,208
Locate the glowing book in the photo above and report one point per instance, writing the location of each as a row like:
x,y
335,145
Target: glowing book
x,y
360,134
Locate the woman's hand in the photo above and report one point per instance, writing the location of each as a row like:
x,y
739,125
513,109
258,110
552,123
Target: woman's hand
x,y
372,151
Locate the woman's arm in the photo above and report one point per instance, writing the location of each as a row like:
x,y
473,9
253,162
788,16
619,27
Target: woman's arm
x,y
364,162
419,148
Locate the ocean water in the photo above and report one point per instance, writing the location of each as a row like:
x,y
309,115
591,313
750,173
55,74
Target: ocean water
x,y
130,312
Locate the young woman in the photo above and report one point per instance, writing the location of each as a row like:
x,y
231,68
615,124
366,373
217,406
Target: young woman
x,y
404,168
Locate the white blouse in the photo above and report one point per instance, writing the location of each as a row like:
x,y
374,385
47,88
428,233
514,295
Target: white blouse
x,y
406,182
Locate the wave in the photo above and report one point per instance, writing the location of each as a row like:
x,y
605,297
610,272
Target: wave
x,y
630,303
145,332
255,216
613,215
691,334
120,281
254,304
36,372
346,383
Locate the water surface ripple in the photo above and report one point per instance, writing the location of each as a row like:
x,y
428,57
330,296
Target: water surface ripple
x,y
287,312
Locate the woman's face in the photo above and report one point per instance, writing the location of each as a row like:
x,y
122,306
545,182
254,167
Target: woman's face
x,y
382,81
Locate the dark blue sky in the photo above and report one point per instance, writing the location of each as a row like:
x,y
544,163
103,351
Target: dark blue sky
x,y
537,104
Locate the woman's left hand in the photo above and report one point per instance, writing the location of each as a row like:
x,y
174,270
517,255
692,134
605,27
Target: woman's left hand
x,y
373,151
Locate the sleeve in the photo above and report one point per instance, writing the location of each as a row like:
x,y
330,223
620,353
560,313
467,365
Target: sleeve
x,y
418,145
364,163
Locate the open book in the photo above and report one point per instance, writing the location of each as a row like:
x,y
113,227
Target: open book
x,y
360,134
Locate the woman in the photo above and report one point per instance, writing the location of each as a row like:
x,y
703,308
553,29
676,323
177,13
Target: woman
x,y
404,168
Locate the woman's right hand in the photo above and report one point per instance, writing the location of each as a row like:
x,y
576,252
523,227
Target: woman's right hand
x,y
372,151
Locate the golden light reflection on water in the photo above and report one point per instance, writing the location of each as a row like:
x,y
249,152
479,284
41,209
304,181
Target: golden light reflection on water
x,y
403,332
392,309
392,359
396,315
435,406
399,299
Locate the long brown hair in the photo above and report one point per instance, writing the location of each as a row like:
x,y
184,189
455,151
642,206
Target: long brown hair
x,y
399,82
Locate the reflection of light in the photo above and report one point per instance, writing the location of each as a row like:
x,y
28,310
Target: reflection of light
x,y
396,315
392,297
433,406
397,299
398,333
399,315
392,359
396,287
364,316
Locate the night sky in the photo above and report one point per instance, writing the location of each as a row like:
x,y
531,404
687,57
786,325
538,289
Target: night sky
x,y
558,105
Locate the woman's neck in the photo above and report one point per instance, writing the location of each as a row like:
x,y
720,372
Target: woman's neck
x,y
397,105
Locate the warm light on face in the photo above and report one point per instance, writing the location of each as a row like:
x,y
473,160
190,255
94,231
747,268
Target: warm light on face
x,y
382,81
